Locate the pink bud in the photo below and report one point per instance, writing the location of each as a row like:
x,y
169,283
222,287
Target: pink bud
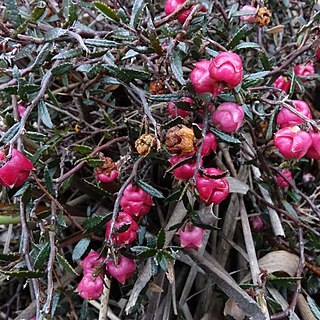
x,y
281,181
305,69
201,80
135,201
123,270
91,262
90,288
186,170
282,83
173,5
292,142
257,224
250,18
211,189
308,177
126,237
108,178
16,170
314,150
209,144
191,236
228,117
175,111
21,110
226,68
286,118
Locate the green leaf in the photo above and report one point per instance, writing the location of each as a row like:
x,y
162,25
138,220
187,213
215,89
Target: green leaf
x,y
42,256
150,252
106,10
223,136
162,261
136,13
176,67
48,180
150,190
80,248
39,153
72,12
166,97
72,53
101,43
13,13
10,133
62,68
161,238
256,76
289,208
292,85
9,257
44,114
36,136
154,41
94,163
247,45
239,35
38,11
54,34
313,306
92,222
98,191
271,125
65,264
82,149
17,273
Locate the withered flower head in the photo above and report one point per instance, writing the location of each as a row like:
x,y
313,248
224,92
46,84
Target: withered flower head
x,y
263,17
145,143
108,166
180,140
157,87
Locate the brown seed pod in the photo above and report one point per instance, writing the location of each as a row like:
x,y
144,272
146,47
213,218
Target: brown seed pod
x,y
145,143
263,17
157,87
180,140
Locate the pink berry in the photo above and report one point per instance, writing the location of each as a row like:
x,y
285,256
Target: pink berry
x,y
201,80
175,111
314,150
250,18
282,83
126,237
286,118
91,262
173,5
292,142
186,170
257,224
191,236
281,181
228,117
135,201
210,189
90,288
16,170
305,69
209,144
21,110
226,69
123,270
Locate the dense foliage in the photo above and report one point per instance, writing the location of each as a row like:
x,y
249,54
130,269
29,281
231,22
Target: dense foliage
x,y
159,160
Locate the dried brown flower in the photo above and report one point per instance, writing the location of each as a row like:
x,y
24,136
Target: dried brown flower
x,y
107,167
180,140
263,17
145,143
157,87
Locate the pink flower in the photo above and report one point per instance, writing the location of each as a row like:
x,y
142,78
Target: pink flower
x,y
281,181
228,117
90,262
16,170
257,224
314,150
201,80
226,69
292,142
21,110
305,69
90,288
175,111
191,236
186,170
173,5
209,144
126,237
248,17
135,201
108,171
123,270
212,190
282,83
286,118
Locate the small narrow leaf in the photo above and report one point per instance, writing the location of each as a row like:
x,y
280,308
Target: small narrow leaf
x,y
42,256
225,137
62,68
13,13
289,208
44,114
48,181
247,45
176,67
151,190
10,133
72,53
82,149
65,264
239,35
313,306
106,10
161,238
17,273
136,13
80,248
